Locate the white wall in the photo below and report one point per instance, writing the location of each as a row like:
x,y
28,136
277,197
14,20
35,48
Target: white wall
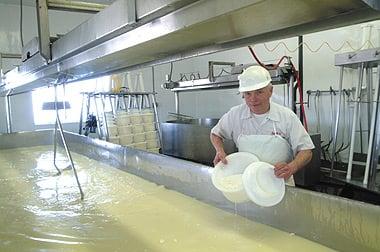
x,y
60,23
319,70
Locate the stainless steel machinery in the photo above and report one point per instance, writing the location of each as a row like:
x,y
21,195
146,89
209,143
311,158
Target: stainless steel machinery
x,y
190,140
366,62
144,33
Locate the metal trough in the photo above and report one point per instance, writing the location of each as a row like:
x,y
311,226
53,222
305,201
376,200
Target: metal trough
x,y
338,223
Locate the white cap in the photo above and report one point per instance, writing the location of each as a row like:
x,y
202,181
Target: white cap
x,y
253,78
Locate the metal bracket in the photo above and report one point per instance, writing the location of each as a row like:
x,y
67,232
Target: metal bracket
x,y
211,65
8,111
131,11
370,58
43,30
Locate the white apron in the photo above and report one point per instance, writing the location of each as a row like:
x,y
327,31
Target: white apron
x,y
268,148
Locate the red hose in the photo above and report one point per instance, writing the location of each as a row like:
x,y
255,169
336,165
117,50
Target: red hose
x,y
263,65
296,75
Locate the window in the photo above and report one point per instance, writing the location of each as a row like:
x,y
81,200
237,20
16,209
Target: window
x,y
71,94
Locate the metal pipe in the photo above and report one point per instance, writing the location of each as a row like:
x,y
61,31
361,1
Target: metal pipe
x,y
70,158
369,95
157,118
176,100
58,122
100,133
64,99
81,114
286,99
75,6
153,82
55,145
300,70
360,127
55,130
332,95
324,91
105,123
291,94
10,55
88,105
127,102
8,110
317,108
370,151
140,102
357,100
1,69
333,154
112,105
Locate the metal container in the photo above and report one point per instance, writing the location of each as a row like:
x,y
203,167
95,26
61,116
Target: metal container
x,y
190,139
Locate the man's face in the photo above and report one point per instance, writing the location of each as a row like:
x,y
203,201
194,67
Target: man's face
x,y
258,100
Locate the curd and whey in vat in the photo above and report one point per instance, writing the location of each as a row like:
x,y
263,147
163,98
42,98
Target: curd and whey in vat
x,y
41,211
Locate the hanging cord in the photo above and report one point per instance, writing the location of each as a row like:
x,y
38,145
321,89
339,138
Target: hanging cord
x,y
21,19
346,104
327,146
325,43
262,64
296,74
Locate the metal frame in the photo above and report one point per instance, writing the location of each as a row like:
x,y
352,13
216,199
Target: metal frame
x,y
7,56
363,60
127,100
178,29
8,111
337,117
280,76
43,30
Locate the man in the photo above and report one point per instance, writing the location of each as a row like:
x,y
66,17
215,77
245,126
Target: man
x,y
270,131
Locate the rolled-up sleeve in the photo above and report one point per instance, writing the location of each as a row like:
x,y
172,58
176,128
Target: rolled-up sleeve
x,y
223,128
299,138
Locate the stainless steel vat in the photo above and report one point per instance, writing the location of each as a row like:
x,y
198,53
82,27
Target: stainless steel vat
x,y
190,139
338,223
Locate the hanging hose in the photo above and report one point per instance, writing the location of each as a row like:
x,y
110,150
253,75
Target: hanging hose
x,y
349,120
263,65
295,73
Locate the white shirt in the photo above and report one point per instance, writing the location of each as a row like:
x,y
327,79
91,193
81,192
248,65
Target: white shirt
x,y
239,120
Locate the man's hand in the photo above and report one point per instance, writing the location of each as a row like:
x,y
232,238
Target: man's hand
x,y
284,170
220,156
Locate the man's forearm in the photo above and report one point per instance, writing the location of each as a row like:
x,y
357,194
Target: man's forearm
x,y
302,158
217,142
